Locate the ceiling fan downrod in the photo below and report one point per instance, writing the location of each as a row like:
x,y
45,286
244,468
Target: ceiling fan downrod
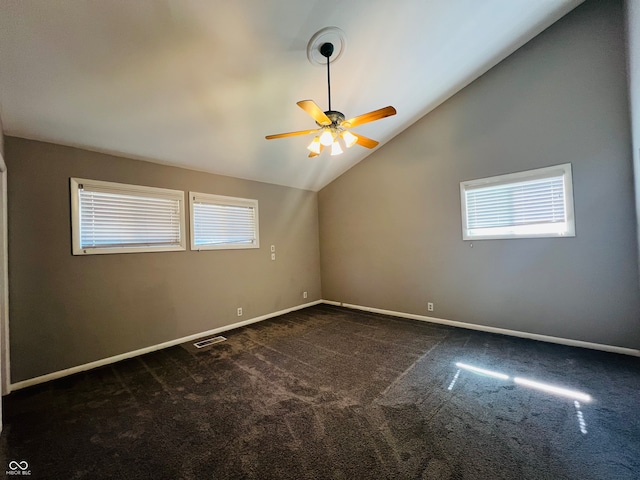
x,y
326,49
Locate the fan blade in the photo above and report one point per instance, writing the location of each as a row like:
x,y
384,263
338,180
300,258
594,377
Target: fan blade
x,y
311,155
315,111
369,117
291,134
366,142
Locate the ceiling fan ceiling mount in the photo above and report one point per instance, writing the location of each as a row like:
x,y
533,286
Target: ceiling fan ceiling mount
x,y
332,35
326,49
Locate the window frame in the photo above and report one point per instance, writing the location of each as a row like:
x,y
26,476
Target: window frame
x,y
223,200
563,170
125,189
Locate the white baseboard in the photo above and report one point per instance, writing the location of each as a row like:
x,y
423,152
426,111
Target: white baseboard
x,y
514,333
106,361
501,331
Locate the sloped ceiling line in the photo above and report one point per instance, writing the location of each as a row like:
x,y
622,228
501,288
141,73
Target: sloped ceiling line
x,y
199,84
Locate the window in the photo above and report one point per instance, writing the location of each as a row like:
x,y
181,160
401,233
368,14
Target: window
x,y
111,217
536,203
223,222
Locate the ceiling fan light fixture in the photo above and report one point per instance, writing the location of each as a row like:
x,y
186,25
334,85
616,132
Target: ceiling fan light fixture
x,y
332,125
315,146
336,149
326,138
349,139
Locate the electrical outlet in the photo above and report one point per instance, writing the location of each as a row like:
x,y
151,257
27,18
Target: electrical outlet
x,y
273,248
240,311
430,306
304,294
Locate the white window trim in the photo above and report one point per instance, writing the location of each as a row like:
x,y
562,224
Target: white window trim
x,y
223,200
546,172
124,189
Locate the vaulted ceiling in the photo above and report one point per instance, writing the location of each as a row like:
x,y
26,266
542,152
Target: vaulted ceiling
x,y
198,84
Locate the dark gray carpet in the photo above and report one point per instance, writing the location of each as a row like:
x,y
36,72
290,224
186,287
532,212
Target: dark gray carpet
x,y
331,393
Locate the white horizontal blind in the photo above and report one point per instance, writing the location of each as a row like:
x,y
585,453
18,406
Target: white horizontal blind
x,y
116,218
223,222
523,203
514,205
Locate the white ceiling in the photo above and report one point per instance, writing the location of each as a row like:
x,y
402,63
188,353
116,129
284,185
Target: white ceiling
x,y
198,84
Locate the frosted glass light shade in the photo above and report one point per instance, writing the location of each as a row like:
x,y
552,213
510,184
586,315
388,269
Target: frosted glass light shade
x,y
326,138
314,146
349,139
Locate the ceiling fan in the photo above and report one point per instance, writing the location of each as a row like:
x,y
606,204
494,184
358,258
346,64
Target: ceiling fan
x,y
333,127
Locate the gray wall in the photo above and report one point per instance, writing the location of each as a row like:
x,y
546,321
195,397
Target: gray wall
x,y
68,310
633,57
1,134
390,228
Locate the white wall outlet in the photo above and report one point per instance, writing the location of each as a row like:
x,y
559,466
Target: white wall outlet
x,y
273,256
430,306
304,294
239,311
273,248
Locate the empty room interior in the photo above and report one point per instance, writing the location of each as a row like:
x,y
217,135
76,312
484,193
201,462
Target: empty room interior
x,y
320,240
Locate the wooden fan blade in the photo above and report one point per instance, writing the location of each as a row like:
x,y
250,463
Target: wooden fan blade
x,y
291,134
369,117
366,142
312,154
315,111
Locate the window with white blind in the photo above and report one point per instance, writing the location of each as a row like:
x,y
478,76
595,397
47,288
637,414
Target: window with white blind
x,y
535,203
109,217
219,222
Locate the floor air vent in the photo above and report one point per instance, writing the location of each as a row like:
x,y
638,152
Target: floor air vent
x,y
209,341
